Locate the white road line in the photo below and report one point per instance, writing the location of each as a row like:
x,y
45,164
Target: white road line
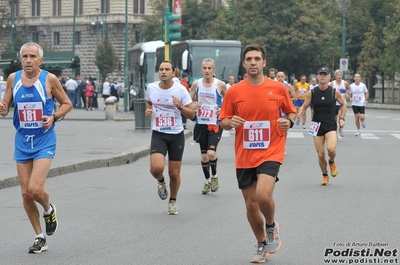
x,y
295,135
396,135
368,136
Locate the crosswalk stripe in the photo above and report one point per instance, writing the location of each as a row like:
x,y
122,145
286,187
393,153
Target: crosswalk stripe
x,y
295,135
396,135
368,136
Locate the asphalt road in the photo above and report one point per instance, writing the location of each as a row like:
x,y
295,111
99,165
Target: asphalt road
x,y
113,215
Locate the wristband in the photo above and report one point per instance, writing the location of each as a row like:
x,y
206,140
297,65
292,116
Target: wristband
x,y
55,117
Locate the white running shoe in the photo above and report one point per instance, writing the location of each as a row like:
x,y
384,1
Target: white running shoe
x,y
341,132
358,133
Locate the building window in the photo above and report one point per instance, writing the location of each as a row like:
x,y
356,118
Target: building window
x,y
56,38
77,37
35,12
16,8
35,37
79,7
105,7
139,6
57,6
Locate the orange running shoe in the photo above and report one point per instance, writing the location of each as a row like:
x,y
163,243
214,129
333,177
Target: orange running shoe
x,y
334,170
325,181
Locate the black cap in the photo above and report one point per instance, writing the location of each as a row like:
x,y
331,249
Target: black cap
x,y
323,70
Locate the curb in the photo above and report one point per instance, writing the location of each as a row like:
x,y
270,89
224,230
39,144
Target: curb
x,y
123,159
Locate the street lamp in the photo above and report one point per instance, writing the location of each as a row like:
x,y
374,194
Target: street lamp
x,y
11,24
126,100
103,24
96,23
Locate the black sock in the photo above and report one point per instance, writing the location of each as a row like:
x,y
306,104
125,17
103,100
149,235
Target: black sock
x,y
162,179
172,199
206,169
330,163
213,164
325,174
267,225
264,242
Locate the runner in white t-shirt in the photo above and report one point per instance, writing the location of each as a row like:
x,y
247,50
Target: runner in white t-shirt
x,y
359,97
343,87
166,100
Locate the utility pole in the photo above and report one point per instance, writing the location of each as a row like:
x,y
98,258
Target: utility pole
x,y
126,90
344,30
12,25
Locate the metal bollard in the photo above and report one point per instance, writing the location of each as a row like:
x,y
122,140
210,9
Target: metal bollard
x,y
111,108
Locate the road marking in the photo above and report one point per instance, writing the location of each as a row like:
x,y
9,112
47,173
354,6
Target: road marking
x,y
396,135
226,133
368,136
295,135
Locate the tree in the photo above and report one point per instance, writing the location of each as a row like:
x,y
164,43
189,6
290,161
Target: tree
x,y
106,58
194,25
150,29
300,36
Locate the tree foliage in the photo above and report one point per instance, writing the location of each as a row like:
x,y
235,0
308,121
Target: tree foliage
x,y
106,59
300,36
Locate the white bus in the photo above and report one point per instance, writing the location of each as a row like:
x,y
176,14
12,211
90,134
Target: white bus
x,y
188,56
142,63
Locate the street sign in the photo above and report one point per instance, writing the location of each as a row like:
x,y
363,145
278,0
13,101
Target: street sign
x,y
344,64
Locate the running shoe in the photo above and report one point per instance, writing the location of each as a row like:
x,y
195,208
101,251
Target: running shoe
x,y
51,221
334,170
325,181
172,208
214,184
261,254
358,133
38,246
273,240
207,188
363,124
162,190
341,132
304,125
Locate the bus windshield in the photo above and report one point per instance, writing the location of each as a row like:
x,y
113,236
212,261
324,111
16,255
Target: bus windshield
x,y
150,64
227,61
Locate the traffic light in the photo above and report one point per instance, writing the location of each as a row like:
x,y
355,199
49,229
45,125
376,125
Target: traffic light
x,y
174,30
170,30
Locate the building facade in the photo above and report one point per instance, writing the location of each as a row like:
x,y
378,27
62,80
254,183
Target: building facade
x,y
51,23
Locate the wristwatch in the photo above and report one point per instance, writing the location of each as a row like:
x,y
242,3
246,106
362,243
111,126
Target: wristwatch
x,y
180,107
55,117
291,123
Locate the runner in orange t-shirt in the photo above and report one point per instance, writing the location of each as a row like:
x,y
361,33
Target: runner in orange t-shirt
x,y
253,107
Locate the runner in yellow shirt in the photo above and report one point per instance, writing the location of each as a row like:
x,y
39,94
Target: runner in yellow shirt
x,y
301,88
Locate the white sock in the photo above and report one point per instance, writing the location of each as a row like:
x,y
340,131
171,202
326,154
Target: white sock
x,y
48,211
40,235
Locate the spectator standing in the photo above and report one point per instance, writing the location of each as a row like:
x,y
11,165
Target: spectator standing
x,y
71,85
106,91
78,94
89,92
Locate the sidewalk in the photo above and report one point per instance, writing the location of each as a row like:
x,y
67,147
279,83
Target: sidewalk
x,y
85,140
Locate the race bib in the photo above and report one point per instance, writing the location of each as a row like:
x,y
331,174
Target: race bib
x,y
30,115
314,128
206,114
256,134
302,92
356,99
165,120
